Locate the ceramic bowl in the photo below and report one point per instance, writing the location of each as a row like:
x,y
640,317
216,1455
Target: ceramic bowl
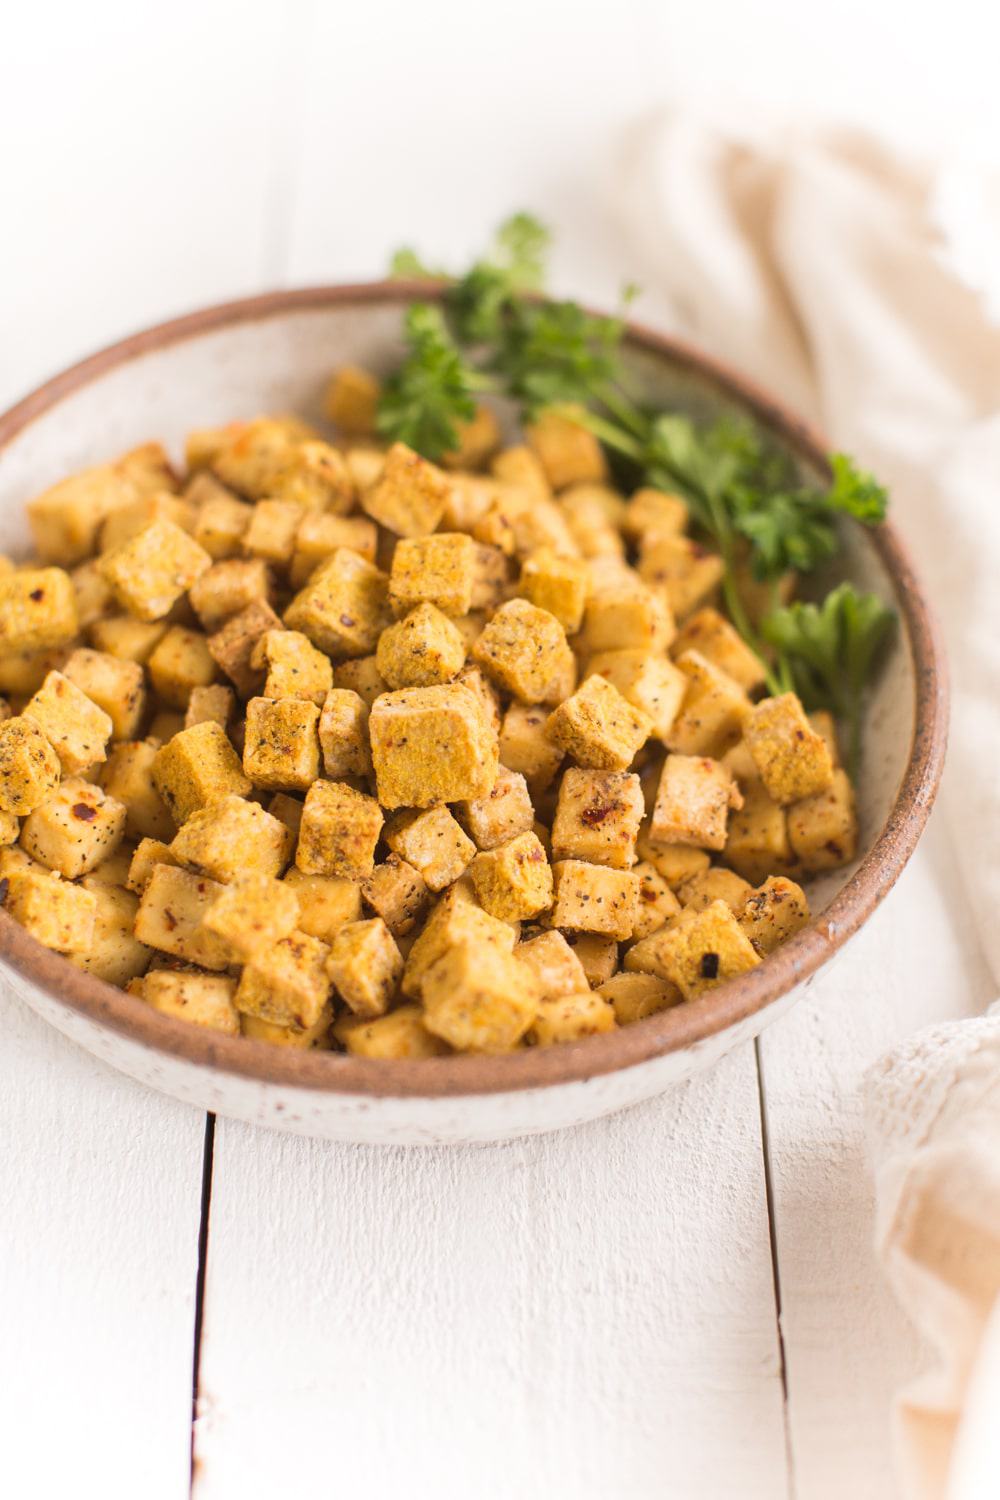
x,y
274,353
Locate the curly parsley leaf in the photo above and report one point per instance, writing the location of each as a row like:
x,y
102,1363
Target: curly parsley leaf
x,y
406,265
856,492
482,301
432,392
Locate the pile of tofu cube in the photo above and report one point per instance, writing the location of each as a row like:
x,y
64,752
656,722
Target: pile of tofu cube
x,y
326,745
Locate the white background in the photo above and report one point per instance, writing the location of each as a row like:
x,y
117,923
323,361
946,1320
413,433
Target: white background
x,y
588,1315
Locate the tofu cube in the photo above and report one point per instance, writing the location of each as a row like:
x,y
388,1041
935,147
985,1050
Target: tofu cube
x,y
519,467
76,728
401,1034
128,520
316,478
126,639
340,829
478,440
627,617
793,760
343,735
170,915
115,954
252,456
593,898
252,914
318,1036
74,828
683,569
271,533
486,694
128,777
149,573
398,894
438,570
774,913
432,745
351,401
757,842
94,599
66,518
214,704
37,610
179,663
148,854
598,728
365,966
200,999
693,802
409,495
823,828
570,1018
597,817
715,884
360,676
698,953
29,766
648,681
657,902
281,750
455,919
287,984
479,999
117,687
228,588
713,713
526,748
57,914
196,767
232,838
234,644
567,452
712,636
823,723
650,511
325,902
222,519
675,862
556,967
593,513
344,607
636,996
433,843
514,881
524,650
558,585
321,534
292,666
502,814
421,650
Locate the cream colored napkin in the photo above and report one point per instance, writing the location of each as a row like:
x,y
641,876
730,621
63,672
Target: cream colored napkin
x,y
859,287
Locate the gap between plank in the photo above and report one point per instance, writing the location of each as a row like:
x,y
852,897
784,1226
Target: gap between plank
x,y
765,1143
208,1157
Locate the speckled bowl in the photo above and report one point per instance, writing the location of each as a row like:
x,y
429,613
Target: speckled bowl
x,y
275,353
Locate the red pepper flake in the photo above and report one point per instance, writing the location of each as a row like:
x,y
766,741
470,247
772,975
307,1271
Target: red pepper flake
x,y
37,594
170,919
596,814
709,966
84,812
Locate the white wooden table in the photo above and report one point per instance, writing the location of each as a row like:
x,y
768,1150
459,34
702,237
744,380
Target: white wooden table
x,y
678,1301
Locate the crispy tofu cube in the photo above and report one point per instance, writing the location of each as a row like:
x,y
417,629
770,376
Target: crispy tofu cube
x,y
409,495
570,1018
698,953
319,536
593,513
150,572
684,570
597,817
170,915
214,704
479,999
400,1034
252,914
316,478
365,966
455,919
593,898
693,802
351,401
793,760
823,723
360,676
29,766
648,681
421,650
343,735
774,913
252,456
114,955
164,725
117,687
525,651
715,884
148,854
222,519
37,610
76,728
10,829
556,967
94,599
179,663
74,828
146,469
232,838
281,750
196,767
741,766
526,748
520,468
502,814
627,616
317,1036
438,570
57,914
636,996
485,693
567,452
517,522
200,999
514,880
293,667
556,584
598,727
23,672
126,639
712,636
344,607
713,713
325,902
398,894
340,829
228,588
128,777
657,902
271,533
112,871
66,518
287,984
478,440
234,644
434,844
757,842
760,596
364,464
128,520
651,510
432,745
823,828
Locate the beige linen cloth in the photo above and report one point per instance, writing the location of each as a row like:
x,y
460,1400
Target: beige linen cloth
x,y
858,286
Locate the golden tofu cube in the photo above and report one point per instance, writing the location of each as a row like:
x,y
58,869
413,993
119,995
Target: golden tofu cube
x,y
360,676
340,829
281,750
823,723
433,843
76,728
148,854
650,511
316,478
715,884
647,680
502,814
252,914
146,469
713,713
351,401
201,999
66,518
520,468
232,838
455,919
179,663
793,760
287,984
10,829
272,531
252,456
526,748
627,617
319,536
570,1018
421,650
556,967
478,440
128,520
117,687
479,999
593,515
599,728
197,767
409,495
57,914
757,842
115,954
170,915
567,452
94,599
657,902
823,829
344,607
683,569
292,666
126,639
234,644
774,913
228,588
432,745
636,996
514,880
364,464
693,802
128,777
150,572
525,651
518,523
438,570
222,519
556,584
365,966
400,1034
326,902
37,610
398,894
712,636
214,704
593,898
29,767
343,735
486,694
318,1035
597,817
698,953
74,828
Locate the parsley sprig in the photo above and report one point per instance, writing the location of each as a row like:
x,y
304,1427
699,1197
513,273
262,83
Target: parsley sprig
x,y
432,390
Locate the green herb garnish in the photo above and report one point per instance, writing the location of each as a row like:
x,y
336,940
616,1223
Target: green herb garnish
x,y
432,391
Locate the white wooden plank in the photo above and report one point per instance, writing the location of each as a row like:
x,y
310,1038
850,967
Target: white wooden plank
x,y
848,1346
585,1314
100,1186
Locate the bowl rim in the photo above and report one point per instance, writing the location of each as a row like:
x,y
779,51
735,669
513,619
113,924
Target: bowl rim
x,y
668,1031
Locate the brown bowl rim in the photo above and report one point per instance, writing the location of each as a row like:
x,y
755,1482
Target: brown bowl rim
x,y
669,1031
